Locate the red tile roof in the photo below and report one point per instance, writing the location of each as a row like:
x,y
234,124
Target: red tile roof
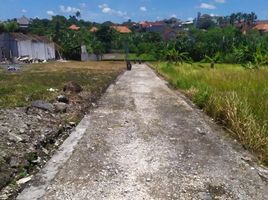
x,y
122,29
74,27
151,24
93,29
261,27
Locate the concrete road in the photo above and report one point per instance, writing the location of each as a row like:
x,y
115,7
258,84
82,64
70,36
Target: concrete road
x,y
144,141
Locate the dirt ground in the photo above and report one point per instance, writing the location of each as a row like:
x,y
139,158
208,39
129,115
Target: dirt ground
x,y
29,136
144,141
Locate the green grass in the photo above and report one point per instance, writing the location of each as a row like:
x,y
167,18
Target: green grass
x,y
19,89
234,96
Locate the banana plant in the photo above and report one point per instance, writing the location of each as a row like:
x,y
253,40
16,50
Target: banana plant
x,y
212,60
173,55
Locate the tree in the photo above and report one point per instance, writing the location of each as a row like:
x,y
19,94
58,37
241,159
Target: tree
x,y
232,18
205,22
78,14
2,28
106,35
11,26
98,49
251,18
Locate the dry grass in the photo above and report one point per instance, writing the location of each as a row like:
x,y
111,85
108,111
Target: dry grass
x,y
236,97
19,89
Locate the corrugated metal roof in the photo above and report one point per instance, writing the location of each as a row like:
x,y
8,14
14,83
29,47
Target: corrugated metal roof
x,y
23,37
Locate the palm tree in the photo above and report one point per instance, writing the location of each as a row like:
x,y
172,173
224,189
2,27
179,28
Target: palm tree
x,y
78,14
251,18
232,18
239,17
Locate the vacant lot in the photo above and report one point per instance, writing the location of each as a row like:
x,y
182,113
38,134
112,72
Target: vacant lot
x,y
29,138
234,96
33,82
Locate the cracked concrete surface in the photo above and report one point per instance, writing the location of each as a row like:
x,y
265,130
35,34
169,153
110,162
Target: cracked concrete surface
x,y
144,141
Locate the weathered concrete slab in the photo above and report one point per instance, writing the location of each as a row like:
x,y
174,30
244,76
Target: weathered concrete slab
x,y
146,142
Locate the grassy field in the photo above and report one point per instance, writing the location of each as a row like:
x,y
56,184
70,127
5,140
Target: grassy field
x,y
32,83
234,96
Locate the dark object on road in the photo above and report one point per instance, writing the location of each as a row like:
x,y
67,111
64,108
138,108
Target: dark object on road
x,y
135,61
72,87
140,61
43,105
129,66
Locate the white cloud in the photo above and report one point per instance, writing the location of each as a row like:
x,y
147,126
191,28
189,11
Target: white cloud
x,y
107,10
207,6
143,9
83,5
24,11
51,13
69,9
220,1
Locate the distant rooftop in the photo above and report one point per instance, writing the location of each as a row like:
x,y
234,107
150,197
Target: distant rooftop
x,y
24,37
122,29
262,27
74,27
23,21
93,29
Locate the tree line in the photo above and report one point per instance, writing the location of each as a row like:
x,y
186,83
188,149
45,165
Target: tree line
x,y
217,39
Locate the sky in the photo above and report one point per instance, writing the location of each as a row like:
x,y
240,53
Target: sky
x,y
122,10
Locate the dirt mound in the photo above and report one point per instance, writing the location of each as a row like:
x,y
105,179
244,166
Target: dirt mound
x,y
72,87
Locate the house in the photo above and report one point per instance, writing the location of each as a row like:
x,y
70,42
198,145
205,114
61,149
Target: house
x,y
74,27
93,29
262,27
122,29
153,26
23,22
15,45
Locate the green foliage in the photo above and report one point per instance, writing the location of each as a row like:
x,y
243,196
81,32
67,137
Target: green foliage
x,y
172,55
227,44
212,60
9,26
206,22
106,35
248,18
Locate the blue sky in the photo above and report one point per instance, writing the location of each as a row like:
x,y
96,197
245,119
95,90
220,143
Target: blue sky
x,y
121,10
